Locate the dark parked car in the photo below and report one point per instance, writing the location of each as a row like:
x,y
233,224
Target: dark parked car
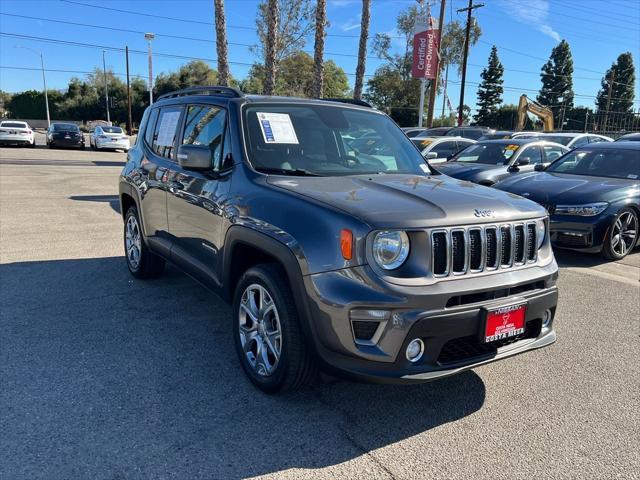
x,y
490,161
383,270
64,135
629,137
413,131
496,135
593,196
474,133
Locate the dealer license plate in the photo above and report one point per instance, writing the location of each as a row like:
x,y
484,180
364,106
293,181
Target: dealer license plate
x,y
504,322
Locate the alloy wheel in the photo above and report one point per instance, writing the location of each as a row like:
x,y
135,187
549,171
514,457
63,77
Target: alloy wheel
x,y
133,241
624,233
260,330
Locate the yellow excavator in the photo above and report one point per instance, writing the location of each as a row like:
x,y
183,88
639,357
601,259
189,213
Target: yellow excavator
x,y
527,105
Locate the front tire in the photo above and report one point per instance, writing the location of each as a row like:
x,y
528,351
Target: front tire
x,y
142,263
266,331
622,235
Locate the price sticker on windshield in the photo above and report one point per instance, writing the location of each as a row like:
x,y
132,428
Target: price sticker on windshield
x,y
277,128
511,147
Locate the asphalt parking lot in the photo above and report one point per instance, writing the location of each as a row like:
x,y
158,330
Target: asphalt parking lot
x,y
104,376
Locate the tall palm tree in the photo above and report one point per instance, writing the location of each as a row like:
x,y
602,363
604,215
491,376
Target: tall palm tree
x,y
318,54
221,44
362,48
273,15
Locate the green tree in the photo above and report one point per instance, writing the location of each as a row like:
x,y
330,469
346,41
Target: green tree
x,y
296,76
392,84
557,82
30,104
5,98
621,79
490,89
193,74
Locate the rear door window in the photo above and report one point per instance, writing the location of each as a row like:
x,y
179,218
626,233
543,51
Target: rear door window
x,y
166,129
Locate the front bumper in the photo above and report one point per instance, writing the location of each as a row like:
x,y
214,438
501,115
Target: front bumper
x,y
579,233
448,316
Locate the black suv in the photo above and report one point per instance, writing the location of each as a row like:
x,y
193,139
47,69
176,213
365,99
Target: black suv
x,y
369,264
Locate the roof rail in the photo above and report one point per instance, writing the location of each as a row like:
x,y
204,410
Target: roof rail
x,y
351,101
213,90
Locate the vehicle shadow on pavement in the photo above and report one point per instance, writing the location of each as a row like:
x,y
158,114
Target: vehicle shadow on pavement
x,y
105,376
113,200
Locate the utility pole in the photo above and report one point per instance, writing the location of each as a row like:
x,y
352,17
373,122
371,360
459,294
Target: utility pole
x,y
466,54
149,37
106,88
434,84
44,81
612,79
129,122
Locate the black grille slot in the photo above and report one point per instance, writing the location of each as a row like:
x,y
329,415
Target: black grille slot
x,y
364,330
519,241
475,250
439,245
458,251
492,248
505,255
531,242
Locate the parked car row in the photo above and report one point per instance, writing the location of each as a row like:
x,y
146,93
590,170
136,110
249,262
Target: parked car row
x,y
64,134
592,193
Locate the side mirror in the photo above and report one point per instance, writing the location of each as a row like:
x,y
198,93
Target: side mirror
x,y
431,156
195,157
523,161
540,167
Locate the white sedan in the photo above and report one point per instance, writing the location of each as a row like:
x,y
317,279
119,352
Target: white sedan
x,y
14,132
440,149
107,137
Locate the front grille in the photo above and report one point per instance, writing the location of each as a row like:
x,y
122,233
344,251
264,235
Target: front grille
x,y
458,251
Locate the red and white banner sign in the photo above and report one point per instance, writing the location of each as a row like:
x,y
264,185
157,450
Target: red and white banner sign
x,y
426,42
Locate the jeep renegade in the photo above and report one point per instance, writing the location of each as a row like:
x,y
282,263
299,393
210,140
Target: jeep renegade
x,y
336,243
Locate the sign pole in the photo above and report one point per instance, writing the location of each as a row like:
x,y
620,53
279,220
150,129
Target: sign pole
x,y
423,82
434,83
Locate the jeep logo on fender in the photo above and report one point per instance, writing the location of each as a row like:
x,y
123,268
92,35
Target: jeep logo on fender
x,y
483,213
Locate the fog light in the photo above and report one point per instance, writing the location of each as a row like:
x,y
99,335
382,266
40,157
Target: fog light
x,y
546,318
415,349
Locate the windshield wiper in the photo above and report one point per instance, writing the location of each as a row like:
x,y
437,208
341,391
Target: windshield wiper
x,y
300,172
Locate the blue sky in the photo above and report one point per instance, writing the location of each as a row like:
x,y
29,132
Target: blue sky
x,y
524,31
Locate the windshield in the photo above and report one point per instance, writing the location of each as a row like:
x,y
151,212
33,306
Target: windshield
x,y
487,153
422,143
561,139
59,127
13,124
616,163
111,129
327,141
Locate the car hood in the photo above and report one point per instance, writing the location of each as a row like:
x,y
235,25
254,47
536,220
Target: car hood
x,y
561,188
467,171
412,201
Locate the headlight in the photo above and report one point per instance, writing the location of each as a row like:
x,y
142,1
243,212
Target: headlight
x,y
390,249
586,210
541,230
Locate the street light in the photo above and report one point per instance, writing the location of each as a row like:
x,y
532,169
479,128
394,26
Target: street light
x,y
148,37
106,88
44,80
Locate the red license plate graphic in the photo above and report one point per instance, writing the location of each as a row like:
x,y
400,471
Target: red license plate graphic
x,y
504,322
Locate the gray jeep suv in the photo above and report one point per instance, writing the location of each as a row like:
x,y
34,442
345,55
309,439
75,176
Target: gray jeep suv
x,y
370,264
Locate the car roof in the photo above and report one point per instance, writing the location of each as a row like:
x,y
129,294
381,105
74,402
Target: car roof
x,y
511,141
611,146
568,134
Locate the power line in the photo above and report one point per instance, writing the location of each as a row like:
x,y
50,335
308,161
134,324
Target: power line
x,y
141,32
573,17
56,70
580,7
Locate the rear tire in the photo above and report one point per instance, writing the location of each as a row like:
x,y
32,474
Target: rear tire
x,y
267,333
141,261
622,235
